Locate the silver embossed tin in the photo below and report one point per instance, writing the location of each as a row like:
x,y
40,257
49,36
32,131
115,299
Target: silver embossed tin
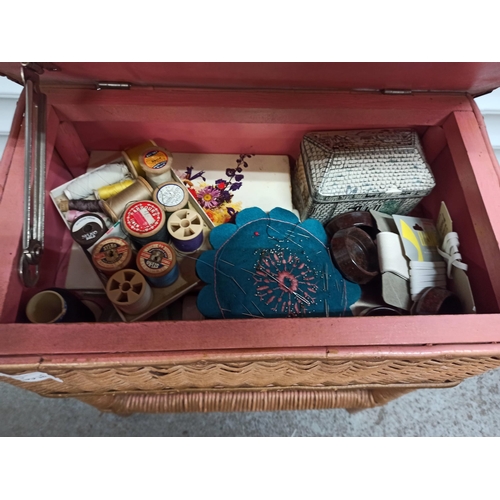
x,y
342,171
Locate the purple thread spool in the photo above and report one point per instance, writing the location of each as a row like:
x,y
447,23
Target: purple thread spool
x,y
185,228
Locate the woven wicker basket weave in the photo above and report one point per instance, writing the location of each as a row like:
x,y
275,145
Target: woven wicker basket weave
x,y
126,404
310,376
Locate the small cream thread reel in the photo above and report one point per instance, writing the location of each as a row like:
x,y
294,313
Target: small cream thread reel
x,y
186,230
156,162
128,290
115,206
171,196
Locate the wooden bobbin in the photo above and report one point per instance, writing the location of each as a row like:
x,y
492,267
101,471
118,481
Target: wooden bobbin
x,y
115,206
131,157
156,163
144,221
127,289
111,190
157,262
171,196
111,255
186,230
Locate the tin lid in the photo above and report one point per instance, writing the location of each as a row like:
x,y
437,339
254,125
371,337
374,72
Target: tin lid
x,y
156,259
472,77
112,254
143,219
171,196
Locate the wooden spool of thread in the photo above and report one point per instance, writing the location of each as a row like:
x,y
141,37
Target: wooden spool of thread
x,y
80,205
112,190
171,196
87,229
111,255
158,263
115,206
186,230
156,164
127,289
144,221
85,185
131,156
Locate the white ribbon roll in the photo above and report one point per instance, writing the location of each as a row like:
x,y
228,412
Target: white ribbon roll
x,y
449,252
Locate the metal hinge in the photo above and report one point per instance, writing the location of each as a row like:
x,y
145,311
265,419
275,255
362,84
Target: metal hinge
x,y
34,175
113,86
396,92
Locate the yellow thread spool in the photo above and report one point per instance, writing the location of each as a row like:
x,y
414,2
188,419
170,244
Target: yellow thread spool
x,y
131,156
108,191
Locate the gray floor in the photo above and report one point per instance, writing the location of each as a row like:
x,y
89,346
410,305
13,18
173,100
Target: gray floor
x,y
471,409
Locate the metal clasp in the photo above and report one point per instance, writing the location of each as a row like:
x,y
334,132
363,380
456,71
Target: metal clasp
x,y
34,175
113,86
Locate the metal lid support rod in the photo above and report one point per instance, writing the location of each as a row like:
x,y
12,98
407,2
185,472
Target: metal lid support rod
x,y
34,176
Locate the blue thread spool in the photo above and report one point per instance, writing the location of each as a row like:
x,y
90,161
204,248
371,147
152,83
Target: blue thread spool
x,y
185,228
157,262
144,221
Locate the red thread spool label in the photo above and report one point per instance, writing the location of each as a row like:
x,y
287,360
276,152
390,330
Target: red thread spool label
x,y
155,159
143,217
156,259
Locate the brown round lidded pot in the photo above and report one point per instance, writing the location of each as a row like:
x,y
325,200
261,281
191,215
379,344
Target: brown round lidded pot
x,y
355,255
437,300
380,311
363,220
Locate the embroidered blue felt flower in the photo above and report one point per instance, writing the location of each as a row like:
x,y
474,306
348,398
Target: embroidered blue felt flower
x,y
271,265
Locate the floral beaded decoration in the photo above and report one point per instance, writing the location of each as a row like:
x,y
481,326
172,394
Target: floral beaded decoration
x,y
217,199
271,265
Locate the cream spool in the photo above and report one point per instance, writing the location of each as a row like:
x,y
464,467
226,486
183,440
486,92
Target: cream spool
x,y
158,263
127,289
186,230
111,255
156,164
171,196
144,221
115,206
87,229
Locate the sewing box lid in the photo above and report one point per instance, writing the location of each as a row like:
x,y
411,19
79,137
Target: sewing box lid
x,y
475,78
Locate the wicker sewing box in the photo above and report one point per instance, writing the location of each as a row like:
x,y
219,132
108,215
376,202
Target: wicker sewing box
x,y
231,365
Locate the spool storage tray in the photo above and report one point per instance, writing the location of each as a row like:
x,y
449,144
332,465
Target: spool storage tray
x,y
306,355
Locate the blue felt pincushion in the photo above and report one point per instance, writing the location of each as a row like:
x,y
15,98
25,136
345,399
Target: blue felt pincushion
x,y
271,265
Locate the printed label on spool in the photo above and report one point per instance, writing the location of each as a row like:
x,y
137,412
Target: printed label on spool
x,y
143,217
170,195
155,159
87,228
156,259
85,220
111,253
